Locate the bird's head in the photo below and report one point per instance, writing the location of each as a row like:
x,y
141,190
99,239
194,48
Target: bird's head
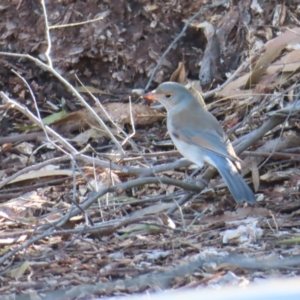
x,y
170,95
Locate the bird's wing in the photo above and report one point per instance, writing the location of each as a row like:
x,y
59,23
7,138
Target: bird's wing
x,y
202,129
216,142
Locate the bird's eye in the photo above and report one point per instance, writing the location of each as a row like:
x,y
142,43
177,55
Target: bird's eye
x,y
168,96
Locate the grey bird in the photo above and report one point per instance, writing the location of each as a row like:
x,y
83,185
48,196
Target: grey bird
x,y
199,137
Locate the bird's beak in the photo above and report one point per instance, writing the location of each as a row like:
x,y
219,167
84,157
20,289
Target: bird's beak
x,y
151,96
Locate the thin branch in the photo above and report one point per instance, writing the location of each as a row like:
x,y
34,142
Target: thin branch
x,y
80,23
47,33
120,188
100,121
57,160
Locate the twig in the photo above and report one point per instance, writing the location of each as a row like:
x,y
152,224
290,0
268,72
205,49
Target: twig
x,y
292,156
100,121
105,228
132,125
40,124
142,172
281,132
120,188
22,137
47,33
57,160
153,154
79,23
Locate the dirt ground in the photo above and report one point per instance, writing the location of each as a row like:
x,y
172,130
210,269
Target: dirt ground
x,y
92,191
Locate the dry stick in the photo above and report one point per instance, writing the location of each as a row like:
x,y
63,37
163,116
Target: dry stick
x,y
21,138
292,111
291,156
67,145
101,163
257,109
119,188
24,245
105,228
102,229
79,23
57,160
41,124
254,136
142,172
47,33
200,11
128,138
152,154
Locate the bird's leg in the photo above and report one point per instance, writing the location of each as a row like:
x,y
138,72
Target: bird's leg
x,y
198,179
203,181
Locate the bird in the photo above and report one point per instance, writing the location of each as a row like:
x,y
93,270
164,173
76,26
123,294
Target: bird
x,y
200,138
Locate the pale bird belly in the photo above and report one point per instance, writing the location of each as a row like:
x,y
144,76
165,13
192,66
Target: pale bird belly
x,y
190,152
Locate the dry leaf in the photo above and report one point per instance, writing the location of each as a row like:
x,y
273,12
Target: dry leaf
x,y
273,49
255,174
153,209
166,220
18,272
119,113
179,75
287,63
280,143
82,138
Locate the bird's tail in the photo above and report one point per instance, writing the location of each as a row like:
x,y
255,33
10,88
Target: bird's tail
x,y
237,186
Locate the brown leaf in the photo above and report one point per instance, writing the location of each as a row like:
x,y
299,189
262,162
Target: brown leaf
x,y
119,113
179,75
166,220
19,271
287,63
273,49
255,174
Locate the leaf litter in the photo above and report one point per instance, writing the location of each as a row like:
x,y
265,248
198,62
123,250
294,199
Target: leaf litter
x,y
244,59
